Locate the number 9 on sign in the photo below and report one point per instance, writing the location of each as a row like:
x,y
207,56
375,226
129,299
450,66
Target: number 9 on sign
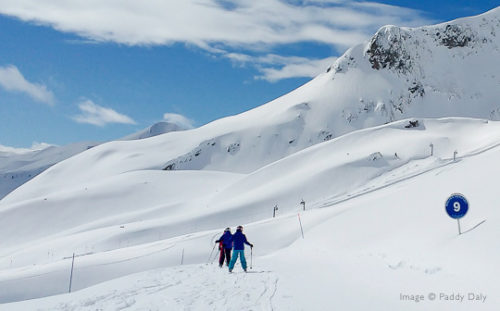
x,y
457,206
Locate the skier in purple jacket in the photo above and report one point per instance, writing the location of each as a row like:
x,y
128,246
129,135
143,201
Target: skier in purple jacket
x,y
225,245
239,241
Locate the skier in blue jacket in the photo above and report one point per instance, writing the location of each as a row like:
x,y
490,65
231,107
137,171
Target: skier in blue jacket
x,y
225,245
239,239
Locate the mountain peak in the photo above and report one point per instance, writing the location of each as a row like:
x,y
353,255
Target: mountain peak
x,y
155,129
431,71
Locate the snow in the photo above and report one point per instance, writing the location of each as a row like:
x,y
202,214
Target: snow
x,y
159,289
18,165
383,229
376,235
157,129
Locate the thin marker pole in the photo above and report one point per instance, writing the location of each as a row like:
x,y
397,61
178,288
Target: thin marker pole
x,y
71,275
459,230
300,223
182,257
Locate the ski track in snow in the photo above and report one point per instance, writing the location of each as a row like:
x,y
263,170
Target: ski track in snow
x,y
194,287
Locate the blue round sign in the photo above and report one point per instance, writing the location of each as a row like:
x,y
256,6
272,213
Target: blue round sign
x,y
457,206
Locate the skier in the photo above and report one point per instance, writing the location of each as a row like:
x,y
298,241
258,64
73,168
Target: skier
x,y
239,239
225,245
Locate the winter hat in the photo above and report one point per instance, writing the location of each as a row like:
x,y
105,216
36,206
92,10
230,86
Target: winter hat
x,y
227,229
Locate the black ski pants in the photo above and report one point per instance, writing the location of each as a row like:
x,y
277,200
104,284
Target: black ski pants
x,y
225,253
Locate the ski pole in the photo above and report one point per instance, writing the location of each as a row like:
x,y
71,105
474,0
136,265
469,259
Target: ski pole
x,y
210,257
216,255
251,257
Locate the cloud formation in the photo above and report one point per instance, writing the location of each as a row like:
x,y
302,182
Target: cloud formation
x,y
179,120
205,22
275,67
219,26
12,80
304,68
94,114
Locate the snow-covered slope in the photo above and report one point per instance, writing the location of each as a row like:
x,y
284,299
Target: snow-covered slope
x,y
16,168
369,213
349,163
144,219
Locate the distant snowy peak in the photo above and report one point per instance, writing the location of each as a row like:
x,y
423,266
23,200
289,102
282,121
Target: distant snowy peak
x,y
17,166
6,150
155,129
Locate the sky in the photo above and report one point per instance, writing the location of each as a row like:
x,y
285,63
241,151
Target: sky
x,y
94,70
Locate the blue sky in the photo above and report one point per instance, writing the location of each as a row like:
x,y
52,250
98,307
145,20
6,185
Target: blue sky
x,y
94,70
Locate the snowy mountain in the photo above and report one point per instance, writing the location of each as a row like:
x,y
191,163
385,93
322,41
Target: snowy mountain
x,y
155,130
374,146
444,70
19,166
6,150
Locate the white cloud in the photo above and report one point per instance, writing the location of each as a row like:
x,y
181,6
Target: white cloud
x,y
231,29
36,146
100,116
252,24
179,120
305,68
11,79
275,67
40,146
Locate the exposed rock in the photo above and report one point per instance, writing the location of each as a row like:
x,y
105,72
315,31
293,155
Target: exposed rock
x,y
412,124
454,36
386,50
375,156
325,135
417,89
233,148
169,167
